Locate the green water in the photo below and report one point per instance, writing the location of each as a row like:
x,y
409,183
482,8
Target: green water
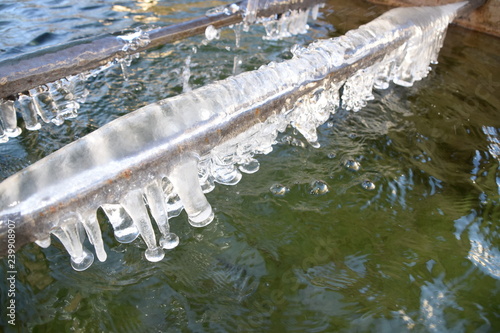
x,y
420,252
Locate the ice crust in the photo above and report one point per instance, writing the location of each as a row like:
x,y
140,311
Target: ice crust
x,y
172,124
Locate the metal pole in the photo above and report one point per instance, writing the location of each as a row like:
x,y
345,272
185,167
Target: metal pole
x,y
95,170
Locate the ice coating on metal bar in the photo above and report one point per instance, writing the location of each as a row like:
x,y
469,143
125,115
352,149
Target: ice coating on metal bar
x,y
176,149
134,40
426,28
54,102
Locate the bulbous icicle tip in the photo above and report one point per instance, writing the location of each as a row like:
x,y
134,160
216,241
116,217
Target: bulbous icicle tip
x,y
184,177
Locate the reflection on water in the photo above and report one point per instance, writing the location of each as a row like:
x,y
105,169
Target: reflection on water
x,y
305,244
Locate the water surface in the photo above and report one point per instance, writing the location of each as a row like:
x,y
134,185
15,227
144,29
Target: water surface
x,y
407,242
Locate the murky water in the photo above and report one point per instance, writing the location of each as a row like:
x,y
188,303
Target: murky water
x,y
392,225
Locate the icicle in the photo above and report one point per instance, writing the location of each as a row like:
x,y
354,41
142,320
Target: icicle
x,y
288,24
43,242
9,118
223,168
237,64
251,11
123,226
205,176
314,110
44,104
125,63
249,165
93,231
358,89
156,201
315,10
184,177
28,112
173,202
65,104
226,123
133,203
54,102
71,234
237,35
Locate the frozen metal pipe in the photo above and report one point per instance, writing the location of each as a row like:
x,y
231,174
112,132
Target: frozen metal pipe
x,y
128,154
28,71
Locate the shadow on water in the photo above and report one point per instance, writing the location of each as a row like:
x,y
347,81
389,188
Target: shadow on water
x,y
400,234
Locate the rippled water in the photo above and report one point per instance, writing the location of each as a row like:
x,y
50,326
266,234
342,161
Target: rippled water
x,y
392,225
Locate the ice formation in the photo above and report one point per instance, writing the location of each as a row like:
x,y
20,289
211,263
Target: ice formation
x,y
286,24
172,152
57,101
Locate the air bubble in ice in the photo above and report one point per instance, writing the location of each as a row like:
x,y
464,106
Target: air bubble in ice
x,y
318,187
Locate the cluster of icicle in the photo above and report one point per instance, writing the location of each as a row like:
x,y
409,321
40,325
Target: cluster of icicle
x,y
57,101
184,186
290,23
277,26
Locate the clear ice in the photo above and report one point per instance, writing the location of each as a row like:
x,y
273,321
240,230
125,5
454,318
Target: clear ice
x,y
172,152
54,102
60,100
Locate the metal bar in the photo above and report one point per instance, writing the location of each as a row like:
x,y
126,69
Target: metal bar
x,y
28,71
126,154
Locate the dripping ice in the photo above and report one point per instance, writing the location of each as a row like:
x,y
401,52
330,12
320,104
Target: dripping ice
x,y
164,194
289,23
57,101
